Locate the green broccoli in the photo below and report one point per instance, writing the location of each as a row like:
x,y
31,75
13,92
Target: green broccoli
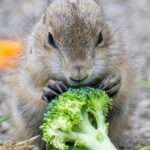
x,y
76,120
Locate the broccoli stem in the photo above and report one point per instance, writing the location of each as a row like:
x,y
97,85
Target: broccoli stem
x,y
90,141
90,137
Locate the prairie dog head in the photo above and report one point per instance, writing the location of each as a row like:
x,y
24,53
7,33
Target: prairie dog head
x,y
73,42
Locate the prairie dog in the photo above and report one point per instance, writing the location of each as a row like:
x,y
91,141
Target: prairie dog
x,y
72,45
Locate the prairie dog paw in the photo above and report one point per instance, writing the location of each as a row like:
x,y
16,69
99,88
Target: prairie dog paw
x,y
53,89
111,84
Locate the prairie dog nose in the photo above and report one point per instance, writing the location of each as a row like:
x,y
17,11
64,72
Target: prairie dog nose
x,y
78,74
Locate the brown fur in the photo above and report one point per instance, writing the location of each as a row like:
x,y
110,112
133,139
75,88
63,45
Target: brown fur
x,y
75,26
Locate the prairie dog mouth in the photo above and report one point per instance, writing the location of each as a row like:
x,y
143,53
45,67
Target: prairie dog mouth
x,y
86,83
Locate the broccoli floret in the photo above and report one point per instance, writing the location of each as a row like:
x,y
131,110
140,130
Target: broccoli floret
x,y
76,120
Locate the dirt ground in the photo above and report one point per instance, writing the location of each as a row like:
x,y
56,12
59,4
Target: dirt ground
x,y
132,17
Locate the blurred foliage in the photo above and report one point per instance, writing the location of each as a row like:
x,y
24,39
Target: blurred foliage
x,y
3,119
144,84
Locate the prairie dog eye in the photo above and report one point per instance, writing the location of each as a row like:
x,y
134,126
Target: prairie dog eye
x,y
51,40
100,39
